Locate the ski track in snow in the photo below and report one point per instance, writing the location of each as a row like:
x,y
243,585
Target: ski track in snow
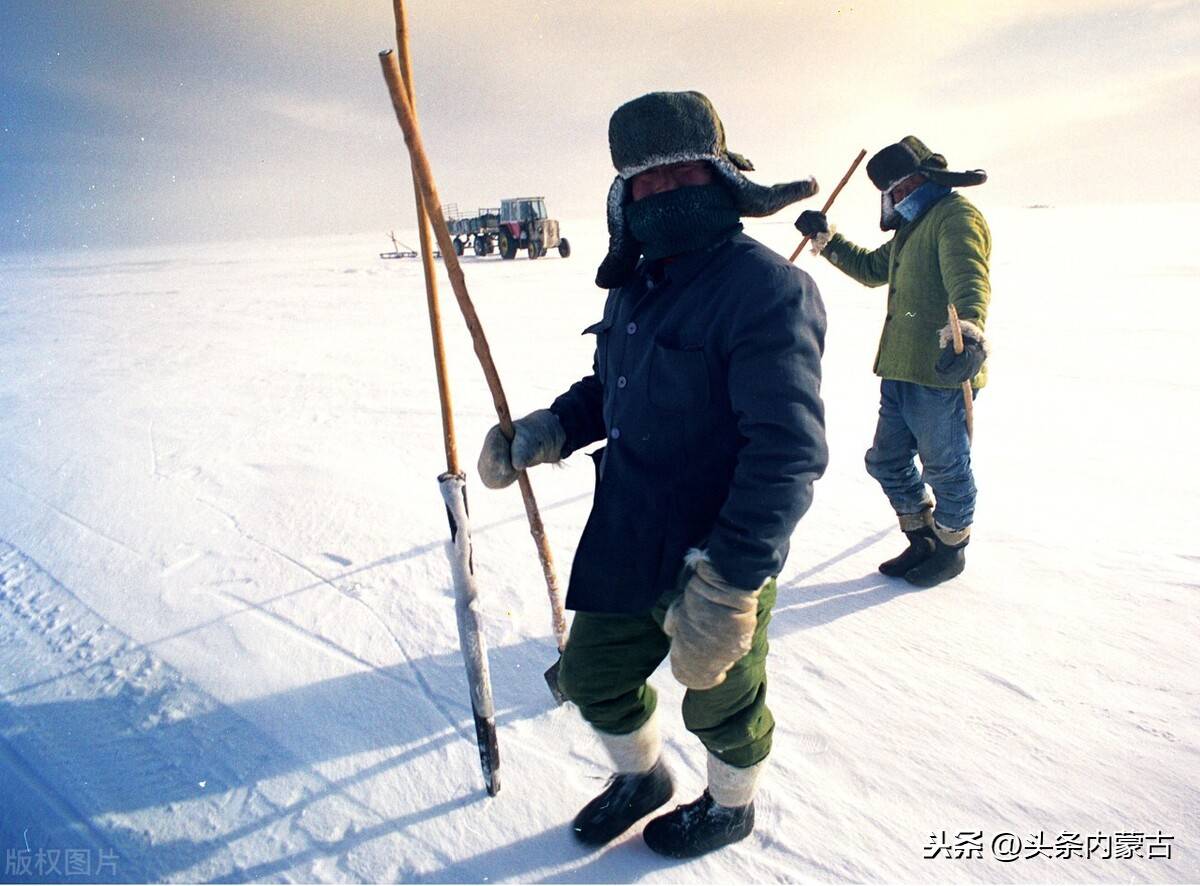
x,y
204,743
186,682
58,629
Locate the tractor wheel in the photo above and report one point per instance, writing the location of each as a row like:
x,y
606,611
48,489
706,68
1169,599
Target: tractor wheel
x,y
535,250
458,246
507,246
564,247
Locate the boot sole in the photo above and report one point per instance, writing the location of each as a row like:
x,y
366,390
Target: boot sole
x,y
899,566
684,852
932,581
895,572
607,836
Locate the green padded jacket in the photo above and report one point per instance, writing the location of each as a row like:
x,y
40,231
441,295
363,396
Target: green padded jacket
x,y
937,260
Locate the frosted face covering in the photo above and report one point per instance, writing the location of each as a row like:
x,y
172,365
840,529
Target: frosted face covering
x,y
910,206
681,220
893,213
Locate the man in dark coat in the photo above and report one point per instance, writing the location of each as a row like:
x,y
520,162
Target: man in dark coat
x,y
706,389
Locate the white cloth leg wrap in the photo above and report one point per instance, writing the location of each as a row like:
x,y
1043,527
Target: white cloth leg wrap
x,y
951,537
636,751
732,785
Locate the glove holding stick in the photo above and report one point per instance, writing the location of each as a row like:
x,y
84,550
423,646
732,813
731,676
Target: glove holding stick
x,y
956,335
825,208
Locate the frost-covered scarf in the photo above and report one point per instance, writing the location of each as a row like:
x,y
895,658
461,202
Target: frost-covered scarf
x,y
893,215
682,220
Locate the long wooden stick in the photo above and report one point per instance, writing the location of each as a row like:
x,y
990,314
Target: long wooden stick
x,y
832,197
433,206
453,487
968,396
431,291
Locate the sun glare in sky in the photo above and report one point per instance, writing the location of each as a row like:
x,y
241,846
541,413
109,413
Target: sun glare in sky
x,y
145,122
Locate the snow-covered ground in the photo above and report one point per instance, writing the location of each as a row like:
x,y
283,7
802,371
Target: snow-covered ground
x,y
227,635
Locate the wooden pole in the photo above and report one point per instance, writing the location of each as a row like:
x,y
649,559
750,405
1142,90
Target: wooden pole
x,y
968,396
433,206
431,291
832,197
453,488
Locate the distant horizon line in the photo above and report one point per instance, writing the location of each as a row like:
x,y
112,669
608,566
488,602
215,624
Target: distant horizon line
x,y
9,253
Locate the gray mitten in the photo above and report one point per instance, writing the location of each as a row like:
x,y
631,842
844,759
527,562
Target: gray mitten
x,y
538,438
952,368
711,626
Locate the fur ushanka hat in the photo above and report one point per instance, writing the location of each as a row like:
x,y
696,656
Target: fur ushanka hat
x,y
910,155
661,128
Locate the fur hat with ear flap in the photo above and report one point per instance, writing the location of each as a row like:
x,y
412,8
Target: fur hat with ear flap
x,y
662,128
909,155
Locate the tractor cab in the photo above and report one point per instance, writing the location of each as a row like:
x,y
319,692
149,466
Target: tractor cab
x,y
525,224
523,209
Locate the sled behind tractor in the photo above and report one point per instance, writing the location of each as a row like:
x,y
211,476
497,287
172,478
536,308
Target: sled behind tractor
x,y
399,250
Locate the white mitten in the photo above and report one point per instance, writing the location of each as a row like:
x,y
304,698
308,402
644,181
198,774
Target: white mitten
x,y
711,626
538,438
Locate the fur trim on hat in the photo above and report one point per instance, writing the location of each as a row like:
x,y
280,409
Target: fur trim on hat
x,y
628,172
751,199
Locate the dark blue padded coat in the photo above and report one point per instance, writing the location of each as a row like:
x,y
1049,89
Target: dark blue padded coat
x,y
706,388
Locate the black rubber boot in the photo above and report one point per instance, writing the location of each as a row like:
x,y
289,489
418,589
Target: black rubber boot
x,y
699,827
920,548
627,798
946,562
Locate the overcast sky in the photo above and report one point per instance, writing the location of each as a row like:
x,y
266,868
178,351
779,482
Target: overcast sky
x,y
159,122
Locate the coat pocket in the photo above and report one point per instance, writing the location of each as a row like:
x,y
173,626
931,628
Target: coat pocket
x,y
600,329
678,378
597,457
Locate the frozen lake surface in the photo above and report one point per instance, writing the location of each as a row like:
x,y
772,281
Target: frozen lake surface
x,y
227,636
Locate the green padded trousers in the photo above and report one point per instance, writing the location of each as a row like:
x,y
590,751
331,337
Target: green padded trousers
x,y
609,657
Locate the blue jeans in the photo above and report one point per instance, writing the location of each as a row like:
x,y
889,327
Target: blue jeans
x,y
932,423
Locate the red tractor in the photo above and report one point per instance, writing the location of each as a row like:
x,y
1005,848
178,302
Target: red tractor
x,y
519,223
524,225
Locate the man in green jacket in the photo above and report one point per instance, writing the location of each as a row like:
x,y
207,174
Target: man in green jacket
x,y
937,257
